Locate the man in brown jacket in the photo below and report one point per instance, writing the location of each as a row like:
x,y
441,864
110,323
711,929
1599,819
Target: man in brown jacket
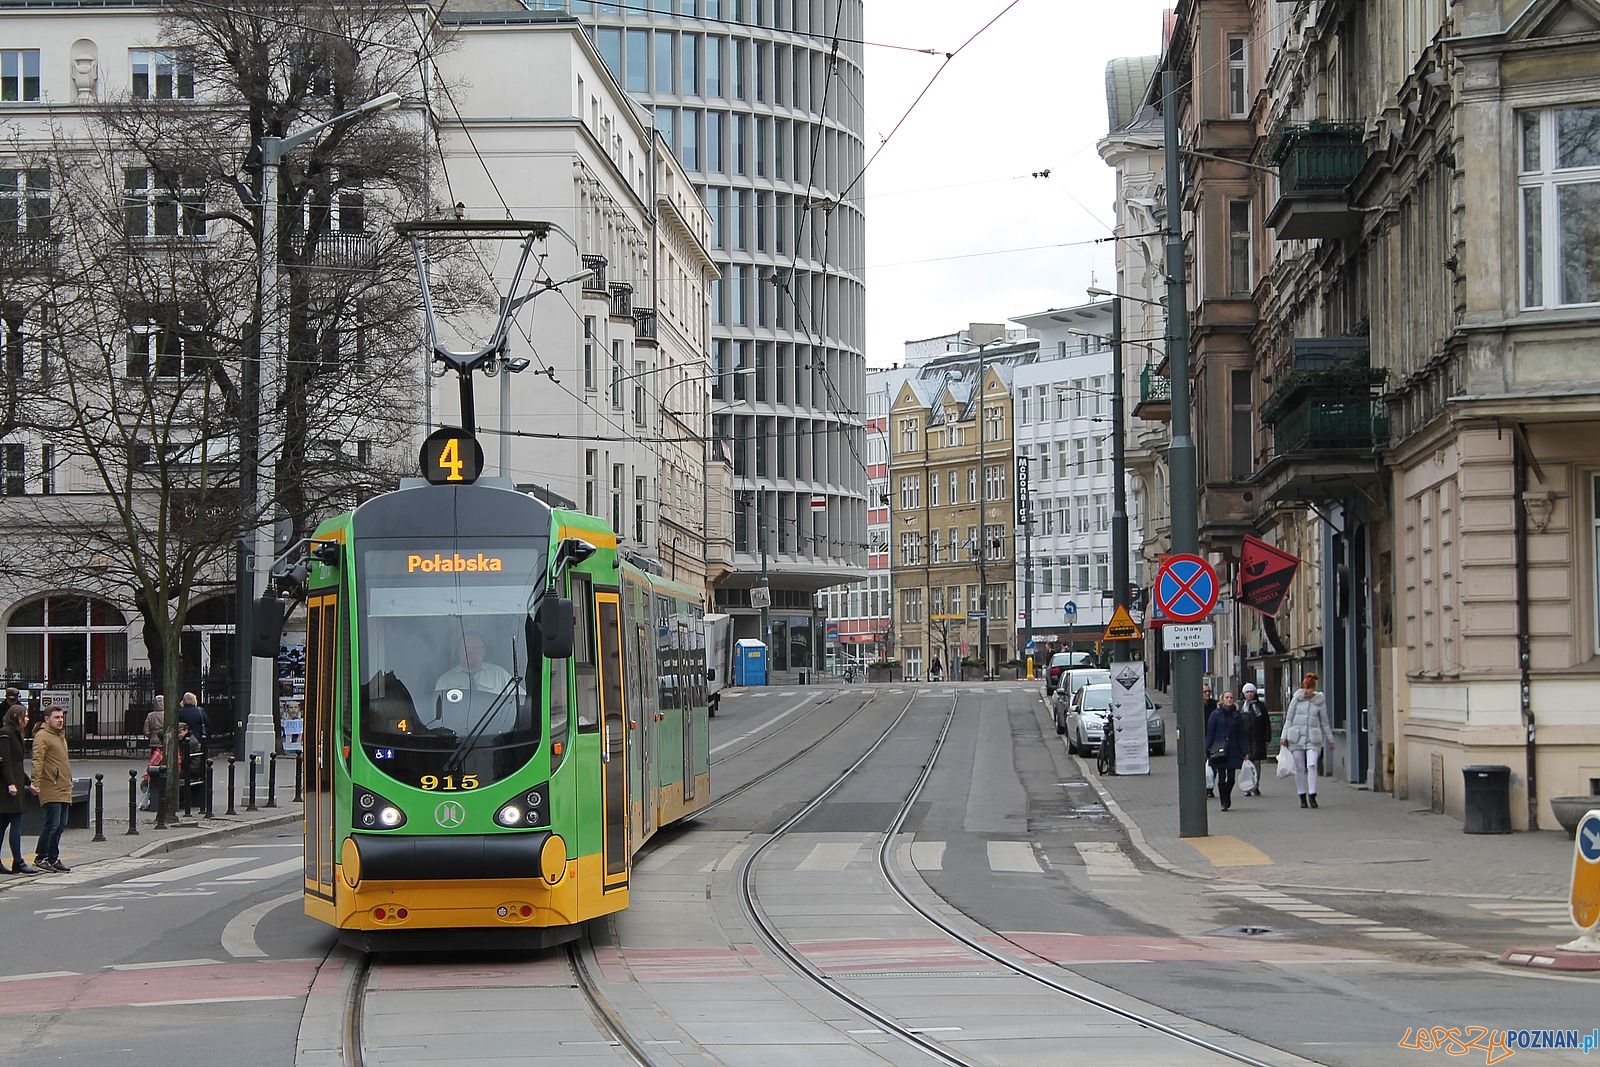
x,y
52,783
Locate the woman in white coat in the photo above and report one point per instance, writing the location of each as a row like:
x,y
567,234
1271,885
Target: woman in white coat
x,y
1305,731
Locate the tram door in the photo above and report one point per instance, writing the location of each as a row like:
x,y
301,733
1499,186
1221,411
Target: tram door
x,y
687,690
614,751
640,679
322,673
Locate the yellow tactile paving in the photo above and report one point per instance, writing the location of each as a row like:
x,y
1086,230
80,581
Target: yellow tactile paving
x,y
1225,851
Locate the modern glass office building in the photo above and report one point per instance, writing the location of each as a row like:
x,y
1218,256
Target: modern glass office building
x,y
762,102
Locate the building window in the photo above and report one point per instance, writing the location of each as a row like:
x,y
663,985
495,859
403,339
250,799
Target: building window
x,y
589,341
1238,76
638,392
972,485
908,548
933,491
995,541
1081,506
616,376
162,74
995,427
640,503
618,473
13,470
24,204
1102,571
908,435
911,605
1081,564
19,75
1560,188
955,488
910,491
591,487
1241,272
1102,513
164,342
1022,406
994,483
1047,575
1243,425
159,205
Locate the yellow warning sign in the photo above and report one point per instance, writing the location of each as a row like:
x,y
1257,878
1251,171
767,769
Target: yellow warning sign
x,y
1122,627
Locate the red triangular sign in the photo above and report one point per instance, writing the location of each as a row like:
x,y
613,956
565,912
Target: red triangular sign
x,y
1264,575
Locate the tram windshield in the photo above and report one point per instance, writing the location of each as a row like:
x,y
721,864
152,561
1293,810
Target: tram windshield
x,y
450,692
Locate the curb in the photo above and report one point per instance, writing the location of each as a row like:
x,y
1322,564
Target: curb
x,y
211,833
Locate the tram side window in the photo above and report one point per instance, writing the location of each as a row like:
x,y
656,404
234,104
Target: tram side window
x,y
583,656
557,689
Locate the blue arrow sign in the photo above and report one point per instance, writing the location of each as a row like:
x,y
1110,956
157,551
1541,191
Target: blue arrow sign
x,y
1069,609
1589,838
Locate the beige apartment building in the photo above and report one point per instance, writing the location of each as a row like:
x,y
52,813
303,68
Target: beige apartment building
x,y
1392,213
953,529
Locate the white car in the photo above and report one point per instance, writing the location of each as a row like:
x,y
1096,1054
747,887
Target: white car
x,y
1072,680
1086,721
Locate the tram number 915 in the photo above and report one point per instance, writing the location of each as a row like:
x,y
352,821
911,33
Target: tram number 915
x,y
448,783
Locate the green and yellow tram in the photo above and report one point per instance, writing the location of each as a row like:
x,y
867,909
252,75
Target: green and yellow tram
x,y
500,710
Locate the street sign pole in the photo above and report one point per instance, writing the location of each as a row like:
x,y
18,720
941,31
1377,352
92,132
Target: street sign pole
x,y
1181,470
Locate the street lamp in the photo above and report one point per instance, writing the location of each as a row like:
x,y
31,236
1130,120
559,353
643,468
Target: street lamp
x,y
263,683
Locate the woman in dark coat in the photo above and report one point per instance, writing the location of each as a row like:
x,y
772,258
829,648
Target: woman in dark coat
x,y
13,786
1226,746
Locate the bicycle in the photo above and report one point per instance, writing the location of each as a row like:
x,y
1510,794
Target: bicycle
x,y
1105,758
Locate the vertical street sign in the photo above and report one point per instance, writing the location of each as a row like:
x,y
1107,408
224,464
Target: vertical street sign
x,y
1024,499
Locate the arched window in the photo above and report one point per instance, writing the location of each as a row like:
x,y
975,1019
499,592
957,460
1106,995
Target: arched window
x,y
66,638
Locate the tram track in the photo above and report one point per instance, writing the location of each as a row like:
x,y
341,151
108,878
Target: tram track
x,y
745,787
767,930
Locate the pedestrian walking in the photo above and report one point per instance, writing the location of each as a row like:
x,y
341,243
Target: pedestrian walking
x,y
13,785
194,716
1208,704
1225,746
1257,731
936,671
1305,731
52,783
155,723
191,764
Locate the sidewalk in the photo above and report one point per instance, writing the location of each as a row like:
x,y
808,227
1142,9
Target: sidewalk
x,y
1355,840
80,851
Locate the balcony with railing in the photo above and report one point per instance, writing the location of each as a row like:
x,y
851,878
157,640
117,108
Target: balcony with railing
x,y
22,255
1328,428
1316,164
644,326
337,249
1155,396
621,300
596,281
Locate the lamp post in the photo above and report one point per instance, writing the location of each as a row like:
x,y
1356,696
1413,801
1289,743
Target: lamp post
x,y
1119,477
263,683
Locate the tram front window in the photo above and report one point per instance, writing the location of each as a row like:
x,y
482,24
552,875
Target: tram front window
x,y
450,692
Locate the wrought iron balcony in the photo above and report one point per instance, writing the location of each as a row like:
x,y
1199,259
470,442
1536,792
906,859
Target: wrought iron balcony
x,y
341,249
1328,427
644,325
1316,163
21,255
1155,396
621,300
596,281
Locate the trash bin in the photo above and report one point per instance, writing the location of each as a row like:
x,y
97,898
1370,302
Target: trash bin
x,y
804,675
1488,799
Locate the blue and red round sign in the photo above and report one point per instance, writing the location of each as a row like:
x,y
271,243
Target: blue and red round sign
x,y
1186,588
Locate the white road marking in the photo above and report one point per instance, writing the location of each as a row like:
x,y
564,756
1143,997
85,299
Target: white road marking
x,y
239,936
262,874
63,913
161,965
1104,859
927,855
764,726
1013,856
830,856
189,870
37,975
205,1000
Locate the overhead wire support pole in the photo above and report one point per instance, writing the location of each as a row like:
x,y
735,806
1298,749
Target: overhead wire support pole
x,y
1181,467
1119,475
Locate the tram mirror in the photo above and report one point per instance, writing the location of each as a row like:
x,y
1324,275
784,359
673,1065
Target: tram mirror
x,y
266,627
556,628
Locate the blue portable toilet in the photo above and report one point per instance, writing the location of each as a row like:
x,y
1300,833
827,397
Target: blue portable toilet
x,y
749,662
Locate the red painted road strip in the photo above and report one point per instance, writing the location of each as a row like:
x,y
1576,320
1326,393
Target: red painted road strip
x,y
120,989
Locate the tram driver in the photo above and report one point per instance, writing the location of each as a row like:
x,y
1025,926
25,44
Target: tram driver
x,y
467,690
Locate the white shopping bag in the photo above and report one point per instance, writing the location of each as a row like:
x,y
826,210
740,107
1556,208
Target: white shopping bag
x,y
1285,763
1248,777
1211,777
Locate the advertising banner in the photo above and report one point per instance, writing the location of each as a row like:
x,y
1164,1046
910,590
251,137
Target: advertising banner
x,y
1127,709
1264,575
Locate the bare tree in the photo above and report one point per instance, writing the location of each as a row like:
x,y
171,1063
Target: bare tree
x,y
148,323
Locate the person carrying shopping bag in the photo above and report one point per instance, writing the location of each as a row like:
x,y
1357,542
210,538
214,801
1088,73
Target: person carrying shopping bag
x,y
1305,731
1225,746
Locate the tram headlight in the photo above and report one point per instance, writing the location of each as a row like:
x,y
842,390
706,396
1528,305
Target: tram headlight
x,y
374,812
510,815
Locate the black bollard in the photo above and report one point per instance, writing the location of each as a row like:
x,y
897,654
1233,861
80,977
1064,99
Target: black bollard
x,y
255,766
208,800
299,776
99,808
232,770
272,780
133,804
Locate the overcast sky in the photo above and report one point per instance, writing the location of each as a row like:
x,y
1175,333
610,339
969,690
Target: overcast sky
x,y
951,203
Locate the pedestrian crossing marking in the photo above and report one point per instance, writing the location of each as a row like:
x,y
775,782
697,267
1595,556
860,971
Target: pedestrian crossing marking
x,y
927,855
176,874
262,874
830,856
1105,859
1013,857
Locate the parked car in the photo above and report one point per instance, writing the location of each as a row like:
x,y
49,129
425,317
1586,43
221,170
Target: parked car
x,y
1072,680
1086,721
1060,662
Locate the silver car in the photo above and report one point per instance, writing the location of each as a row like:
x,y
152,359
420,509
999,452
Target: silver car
x,y
1086,721
1072,680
